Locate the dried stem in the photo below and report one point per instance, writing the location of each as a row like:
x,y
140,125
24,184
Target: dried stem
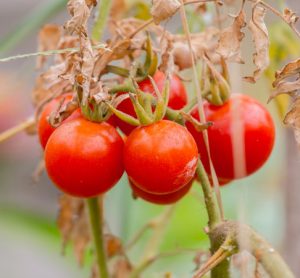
x,y
16,129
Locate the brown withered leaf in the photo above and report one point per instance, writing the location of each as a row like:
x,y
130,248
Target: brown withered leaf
x,y
122,268
260,37
167,59
292,119
113,245
290,16
118,7
80,12
288,70
91,3
164,9
73,224
48,39
229,46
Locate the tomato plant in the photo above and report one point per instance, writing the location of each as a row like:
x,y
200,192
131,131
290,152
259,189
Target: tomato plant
x,y
160,158
160,199
44,127
259,135
84,158
177,97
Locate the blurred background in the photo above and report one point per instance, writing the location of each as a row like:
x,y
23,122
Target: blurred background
x,y
30,244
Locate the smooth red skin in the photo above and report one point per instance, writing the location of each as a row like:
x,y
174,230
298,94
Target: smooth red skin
x,y
44,128
160,158
259,136
177,97
165,199
83,158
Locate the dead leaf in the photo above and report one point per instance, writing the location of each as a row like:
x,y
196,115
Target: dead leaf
x,y
292,119
260,37
288,70
113,245
48,39
73,224
164,9
118,7
122,268
290,16
229,46
80,12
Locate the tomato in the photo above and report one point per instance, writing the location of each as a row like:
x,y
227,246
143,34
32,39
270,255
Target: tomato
x,y
83,158
164,199
160,158
259,135
177,97
44,128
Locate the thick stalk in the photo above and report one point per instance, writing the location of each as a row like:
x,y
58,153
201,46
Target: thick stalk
x,y
32,22
96,220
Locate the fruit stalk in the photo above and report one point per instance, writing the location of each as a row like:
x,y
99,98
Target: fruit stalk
x,y
96,221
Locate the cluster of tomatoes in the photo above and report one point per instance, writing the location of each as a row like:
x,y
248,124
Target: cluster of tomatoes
x,y
86,159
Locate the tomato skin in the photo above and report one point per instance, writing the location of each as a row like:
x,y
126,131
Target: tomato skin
x,y
160,158
44,128
83,158
177,97
165,199
259,135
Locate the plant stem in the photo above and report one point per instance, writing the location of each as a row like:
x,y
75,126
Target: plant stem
x,y
100,23
214,216
16,129
96,220
33,21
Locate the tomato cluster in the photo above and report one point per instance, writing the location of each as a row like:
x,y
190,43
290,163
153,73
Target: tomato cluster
x,y
85,158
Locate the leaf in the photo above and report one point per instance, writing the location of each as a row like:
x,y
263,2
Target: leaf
x,y
48,39
229,46
164,9
292,119
261,41
290,16
288,70
73,225
80,12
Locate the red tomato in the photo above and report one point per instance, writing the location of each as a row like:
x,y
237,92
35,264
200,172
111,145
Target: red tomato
x,y
164,199
44,128
177,97
160,158
259,135
83,158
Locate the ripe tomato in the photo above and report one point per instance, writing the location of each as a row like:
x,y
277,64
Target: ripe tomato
x,y
259,135
83,158
160,158
44,128
177,97
164,199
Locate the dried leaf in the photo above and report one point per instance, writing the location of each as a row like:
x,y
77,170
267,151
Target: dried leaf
x,y
113,245
261,40
290,16
73,225
164,9
48,39
230,39
292,119
80,12
288,70
118,7
167,60
122,268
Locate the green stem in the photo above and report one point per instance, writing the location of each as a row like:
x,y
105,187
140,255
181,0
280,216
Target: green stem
x,y
100,23
96,219
214,216
32,22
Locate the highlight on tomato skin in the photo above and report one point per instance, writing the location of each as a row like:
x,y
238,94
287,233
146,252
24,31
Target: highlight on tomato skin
x,y
177,97
259,135
84,158
160,158
165,199
44,128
